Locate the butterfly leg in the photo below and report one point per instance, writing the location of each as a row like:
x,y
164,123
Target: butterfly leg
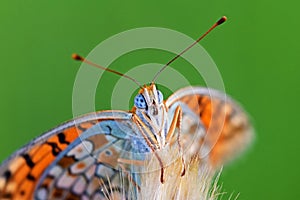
x,y
176,123
151,145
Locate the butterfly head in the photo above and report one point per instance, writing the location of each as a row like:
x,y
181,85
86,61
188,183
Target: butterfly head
x,y
149,100
151,112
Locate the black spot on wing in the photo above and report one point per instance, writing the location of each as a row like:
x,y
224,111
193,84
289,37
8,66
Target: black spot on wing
x,y
30,177
28,160
109,128
55,149
62,138
7,196
7,175
200,98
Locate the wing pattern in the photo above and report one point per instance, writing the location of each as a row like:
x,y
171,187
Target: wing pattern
x,y
227,129
54,151
81,158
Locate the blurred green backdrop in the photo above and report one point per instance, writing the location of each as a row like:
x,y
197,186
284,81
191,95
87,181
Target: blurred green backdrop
x,y
256,52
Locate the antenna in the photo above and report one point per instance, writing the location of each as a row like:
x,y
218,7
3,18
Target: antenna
x,y
82,59
219,22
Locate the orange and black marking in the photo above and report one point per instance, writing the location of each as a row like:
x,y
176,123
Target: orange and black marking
x,y
225,122
22,173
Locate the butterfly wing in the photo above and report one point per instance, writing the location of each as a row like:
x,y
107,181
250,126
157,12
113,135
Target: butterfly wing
x,y
55,164
213,124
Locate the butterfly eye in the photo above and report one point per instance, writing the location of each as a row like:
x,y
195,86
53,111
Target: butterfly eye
x,y
139,101
160,97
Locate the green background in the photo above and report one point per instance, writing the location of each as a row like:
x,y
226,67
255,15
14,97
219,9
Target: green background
x,y
256,52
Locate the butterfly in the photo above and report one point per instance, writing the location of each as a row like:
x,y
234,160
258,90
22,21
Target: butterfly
x,y
98,155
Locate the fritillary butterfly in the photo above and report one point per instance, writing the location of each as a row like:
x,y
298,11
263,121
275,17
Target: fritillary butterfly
x,y
95,156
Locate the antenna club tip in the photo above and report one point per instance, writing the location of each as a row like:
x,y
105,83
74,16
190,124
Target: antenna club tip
x,y
222,20
75,56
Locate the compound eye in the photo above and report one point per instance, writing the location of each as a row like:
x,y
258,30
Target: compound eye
x,y
160,97
139,101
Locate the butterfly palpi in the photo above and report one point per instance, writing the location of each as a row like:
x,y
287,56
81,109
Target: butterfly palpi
x,y
96,156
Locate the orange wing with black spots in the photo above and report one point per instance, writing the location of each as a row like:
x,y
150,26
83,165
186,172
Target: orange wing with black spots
x,y
89,167
227,128
20,173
